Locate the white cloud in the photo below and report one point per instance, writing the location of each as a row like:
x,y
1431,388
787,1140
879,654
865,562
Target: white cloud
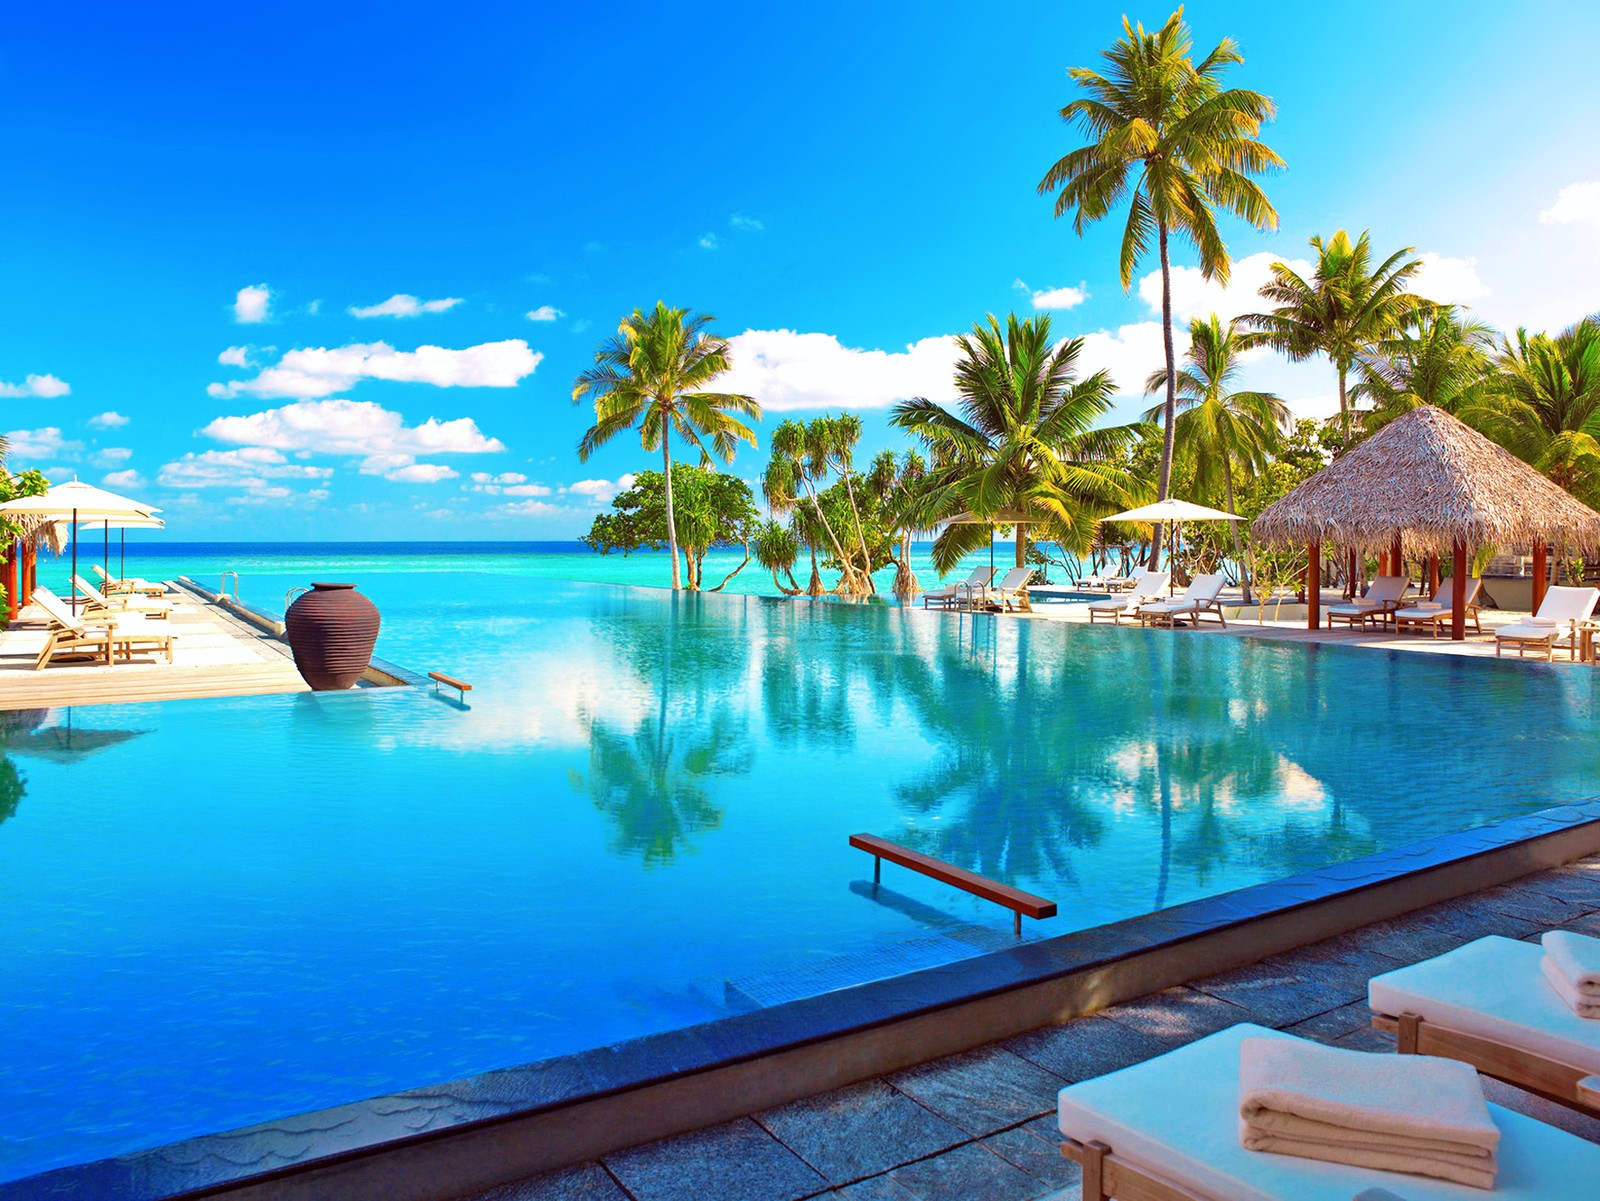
x,y
421,473
45,443
1576,204
124,479
46,387
545,312
1447,280
111,456
402,304
350,427
318,371
597,489
786,370
248,467
505,477
235,356
1195,296
708,241
1054,298
531,508
251,304
750,224
109,420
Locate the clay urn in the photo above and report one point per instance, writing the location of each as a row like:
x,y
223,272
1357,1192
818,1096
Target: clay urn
x,y
332,630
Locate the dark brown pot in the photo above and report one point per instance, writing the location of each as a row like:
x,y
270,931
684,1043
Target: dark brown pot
x,y
332,630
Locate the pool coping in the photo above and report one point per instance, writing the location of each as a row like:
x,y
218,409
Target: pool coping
x,y
443,1141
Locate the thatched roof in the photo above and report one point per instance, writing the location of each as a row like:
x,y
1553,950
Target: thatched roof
x,y
1431,479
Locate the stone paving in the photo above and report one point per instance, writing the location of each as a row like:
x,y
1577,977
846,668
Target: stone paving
x,y
981,1126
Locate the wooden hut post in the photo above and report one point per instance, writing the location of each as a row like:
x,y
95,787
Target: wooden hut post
x,y
1355,587
9,570
1313,579
1540,550
1458,594
1397,558
29,559
1433,575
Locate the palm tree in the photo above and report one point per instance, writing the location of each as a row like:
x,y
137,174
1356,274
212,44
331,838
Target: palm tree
x,y
653,375
1438,359
1023,440
1193,145
1543,404
1345,310
1220,429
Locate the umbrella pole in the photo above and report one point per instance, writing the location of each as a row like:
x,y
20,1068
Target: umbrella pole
x,y
74,560
122,567
105,550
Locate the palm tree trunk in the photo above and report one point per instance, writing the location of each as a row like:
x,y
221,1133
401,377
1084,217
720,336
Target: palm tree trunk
x,y
861,535
1238,551
1022,545
672,523
814,585
1169,412
845,563
1344,404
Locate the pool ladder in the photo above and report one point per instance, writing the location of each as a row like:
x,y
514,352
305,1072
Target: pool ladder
x,y
222,587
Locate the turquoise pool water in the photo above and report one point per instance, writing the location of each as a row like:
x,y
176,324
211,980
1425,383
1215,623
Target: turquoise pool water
x,y
219,912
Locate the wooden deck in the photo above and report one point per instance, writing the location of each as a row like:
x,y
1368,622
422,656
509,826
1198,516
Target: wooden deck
x,y
217,654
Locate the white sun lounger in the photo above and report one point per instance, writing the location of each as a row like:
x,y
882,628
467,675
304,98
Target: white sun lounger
x,y
960,592
1487,1004
127,602
115,586
1012,591
1200,597
1556,623
1167,1129
1146,588
1435,614
1379,604
119,632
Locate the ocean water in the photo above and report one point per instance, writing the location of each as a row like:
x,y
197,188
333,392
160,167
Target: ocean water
x,y
359,562
220,912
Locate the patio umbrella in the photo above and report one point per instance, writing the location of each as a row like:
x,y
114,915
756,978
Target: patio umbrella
x,y
1173,512
124,524
73,502
1016,517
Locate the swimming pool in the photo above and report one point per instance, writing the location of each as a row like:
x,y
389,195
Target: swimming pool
x,y
224,911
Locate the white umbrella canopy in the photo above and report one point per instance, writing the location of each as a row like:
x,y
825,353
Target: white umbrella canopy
x,y
75,502
78,501
1171,511
58,535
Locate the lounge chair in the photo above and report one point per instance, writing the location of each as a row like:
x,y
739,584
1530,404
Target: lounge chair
x,y
118,632
1147,587
1108,583
960,592
1487,1004
114,586
1202,596
127,602
1012,592
1379,604
1556,623
1434,614
70,638
1167,1129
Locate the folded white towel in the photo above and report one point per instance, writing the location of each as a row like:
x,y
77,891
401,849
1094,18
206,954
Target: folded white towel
x,y
1407,1113
1580,1004
1542,622
1577,957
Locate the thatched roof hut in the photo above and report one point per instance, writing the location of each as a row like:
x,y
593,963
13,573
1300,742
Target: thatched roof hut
x,y
1435,482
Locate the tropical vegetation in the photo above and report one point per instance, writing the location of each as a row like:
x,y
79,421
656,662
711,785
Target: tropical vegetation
x,y
655,375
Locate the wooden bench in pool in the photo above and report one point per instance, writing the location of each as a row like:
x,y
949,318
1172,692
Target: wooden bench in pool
x,y
1019,902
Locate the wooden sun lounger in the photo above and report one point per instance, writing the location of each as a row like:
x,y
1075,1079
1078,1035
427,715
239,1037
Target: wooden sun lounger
x,y
69,632
1149,588
116,587
1487,1004
1379,605
1432,615
1562,611
1204,595
1167,1129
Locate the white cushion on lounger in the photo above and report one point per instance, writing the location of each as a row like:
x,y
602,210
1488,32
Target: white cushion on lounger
x,y
1522,632
1492,988
1177,1117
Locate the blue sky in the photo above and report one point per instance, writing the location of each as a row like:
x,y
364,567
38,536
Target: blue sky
x,y
198,197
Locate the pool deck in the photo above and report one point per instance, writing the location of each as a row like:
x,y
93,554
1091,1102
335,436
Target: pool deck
x,y
216,654
980,1126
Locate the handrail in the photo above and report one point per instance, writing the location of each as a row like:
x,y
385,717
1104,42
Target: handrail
x,y
1014,899
288,597
461,686
222,586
